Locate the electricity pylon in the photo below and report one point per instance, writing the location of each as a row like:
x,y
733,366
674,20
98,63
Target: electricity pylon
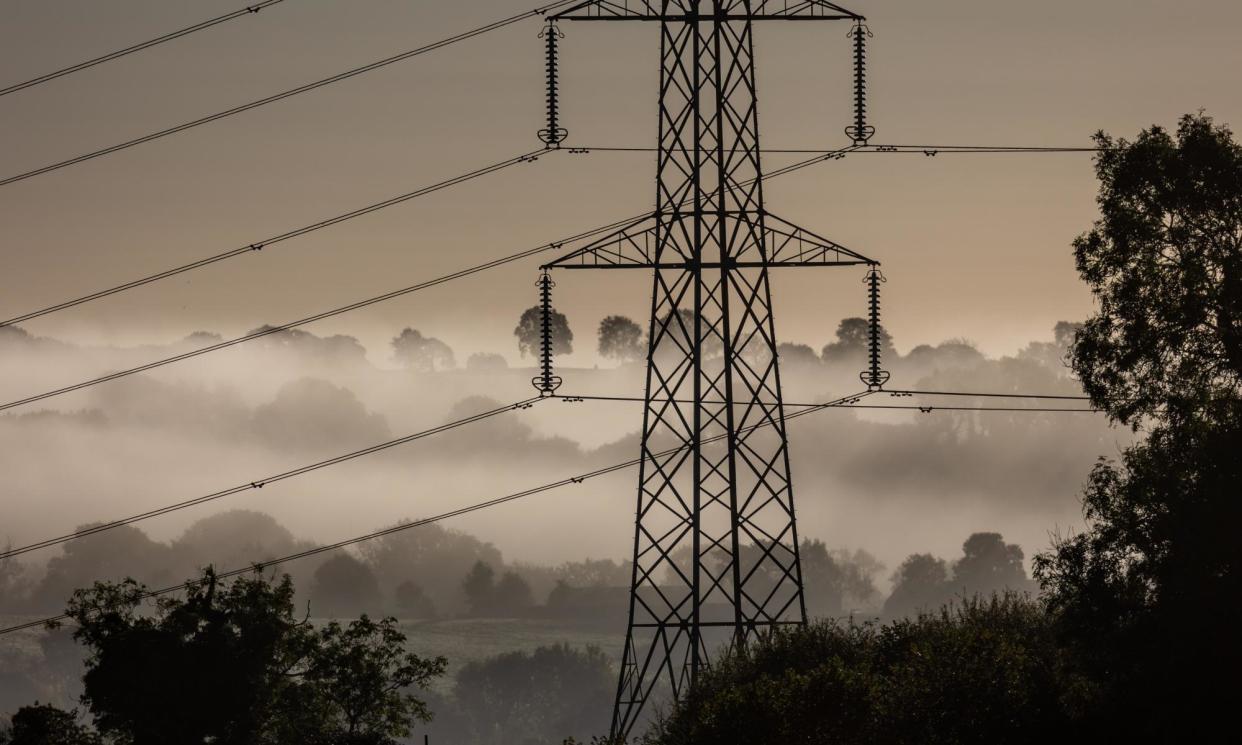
x,y
716,544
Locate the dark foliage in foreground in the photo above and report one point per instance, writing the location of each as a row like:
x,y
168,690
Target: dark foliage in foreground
x,y
1146,599
231,663
1135,639
980,672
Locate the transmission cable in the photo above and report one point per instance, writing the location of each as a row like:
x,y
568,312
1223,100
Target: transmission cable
x,y
239,13
287,94
267,331
851,403
1010,409
969,394
260,483
572,480
930,150
460,274
207,261
289,235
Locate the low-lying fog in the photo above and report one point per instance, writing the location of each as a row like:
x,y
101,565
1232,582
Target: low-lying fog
x,y
892,483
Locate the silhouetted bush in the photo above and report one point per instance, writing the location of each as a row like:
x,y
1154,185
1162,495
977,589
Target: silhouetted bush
x,y
981,672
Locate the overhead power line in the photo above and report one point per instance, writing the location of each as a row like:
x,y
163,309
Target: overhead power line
x,y
969,394
854,404
286,94
930,150
501,261
260,483
572,480
267,331
1011,409
239,13
288,235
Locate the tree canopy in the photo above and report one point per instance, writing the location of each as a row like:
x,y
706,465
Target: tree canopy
x,y
422,353
529,332
982,672
1164,262
1145,595
621,339
231,663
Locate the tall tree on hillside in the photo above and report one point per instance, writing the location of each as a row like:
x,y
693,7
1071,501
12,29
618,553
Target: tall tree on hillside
x,y
1146,594
620,339
422,353
529,332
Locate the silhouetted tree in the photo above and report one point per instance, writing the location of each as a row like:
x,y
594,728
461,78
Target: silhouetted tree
x,y
529,333
423,353
113,554
344,586
486,362
797,355
479,586
920,584
620,339
1055,354
1165,266
234,538
232,663
512,595
836,582
595,573
433,557
337,351
853,342
988,565
952,354
1145,595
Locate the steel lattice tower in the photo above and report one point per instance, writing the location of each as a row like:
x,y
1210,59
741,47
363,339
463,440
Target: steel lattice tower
x,y
716,545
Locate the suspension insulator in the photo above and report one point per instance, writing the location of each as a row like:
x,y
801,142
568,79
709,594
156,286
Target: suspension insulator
x,y
555,134
860,132
874,377
546,382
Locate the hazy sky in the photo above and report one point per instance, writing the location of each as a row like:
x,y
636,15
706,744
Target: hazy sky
x,y
974,245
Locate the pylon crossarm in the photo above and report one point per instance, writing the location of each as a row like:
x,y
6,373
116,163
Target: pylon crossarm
x,y
630,247
732,10
787,245
790,245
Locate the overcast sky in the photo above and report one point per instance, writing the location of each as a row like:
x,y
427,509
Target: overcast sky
x,y
974,245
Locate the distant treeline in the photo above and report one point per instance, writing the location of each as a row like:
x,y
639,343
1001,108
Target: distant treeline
x,y
433,572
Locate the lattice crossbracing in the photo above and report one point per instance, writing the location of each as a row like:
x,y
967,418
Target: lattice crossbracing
x,y
716,545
